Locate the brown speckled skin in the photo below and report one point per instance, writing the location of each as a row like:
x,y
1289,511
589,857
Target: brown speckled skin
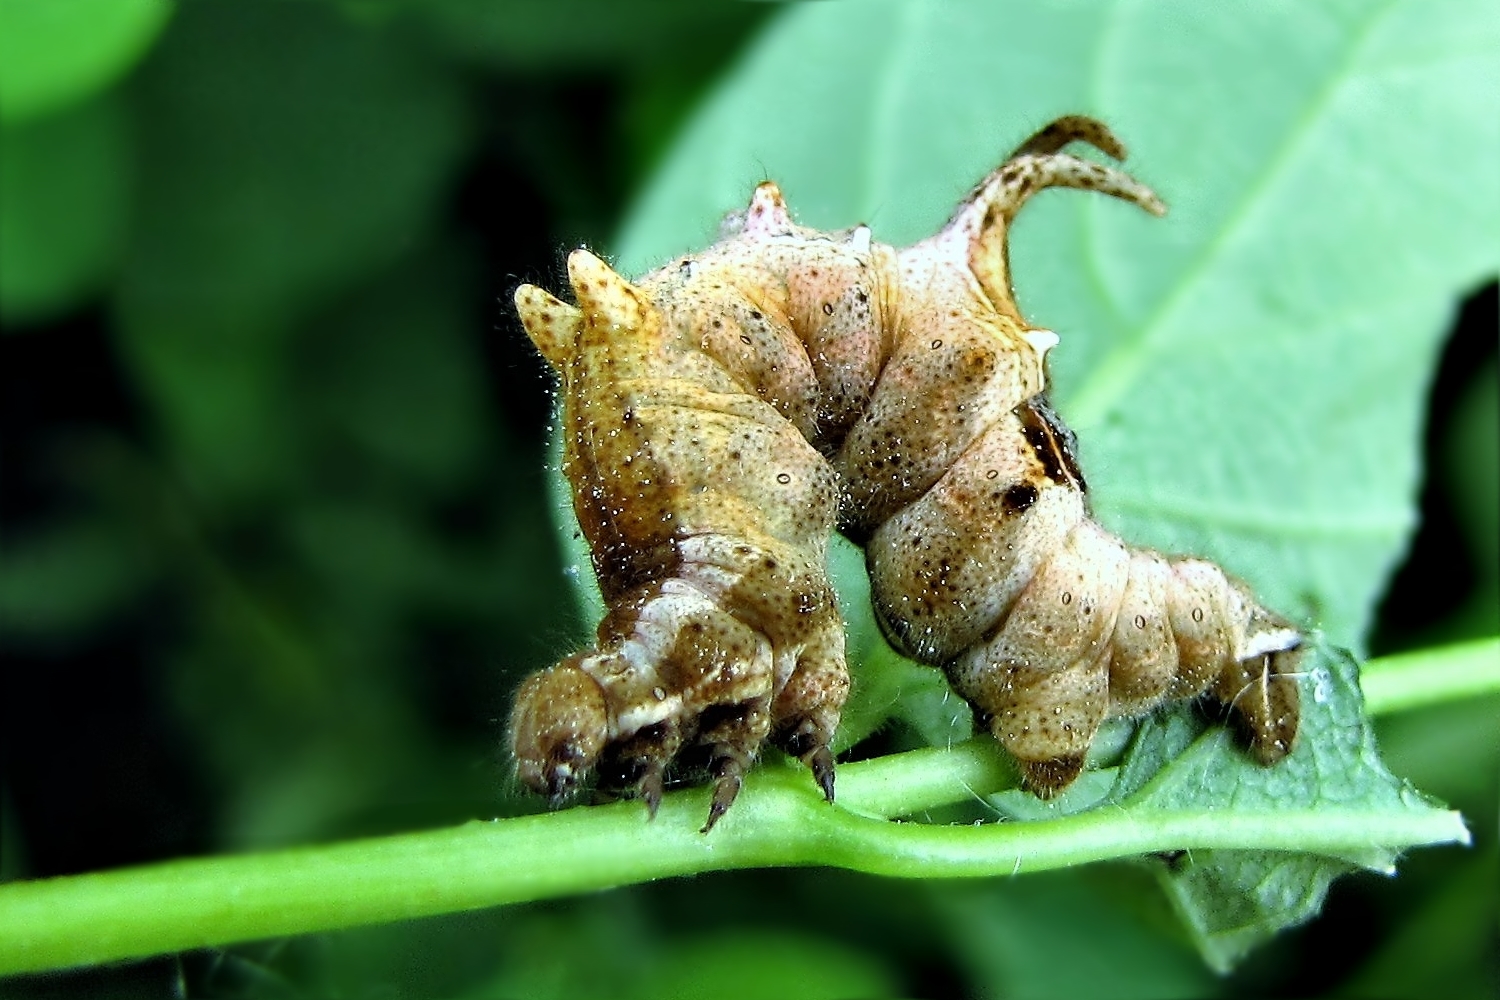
x,y
723,415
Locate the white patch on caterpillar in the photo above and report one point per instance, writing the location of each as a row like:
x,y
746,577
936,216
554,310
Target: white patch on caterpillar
x,y
1041,341
1278,640
859,239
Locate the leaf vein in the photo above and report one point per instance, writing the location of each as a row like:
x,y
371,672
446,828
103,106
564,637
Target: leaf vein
x,y
1117,369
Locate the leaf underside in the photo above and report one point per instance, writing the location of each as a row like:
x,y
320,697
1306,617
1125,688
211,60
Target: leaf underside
x,y
1179,762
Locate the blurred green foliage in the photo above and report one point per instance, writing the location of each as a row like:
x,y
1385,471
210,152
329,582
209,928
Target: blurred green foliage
x,y
56,54
277,546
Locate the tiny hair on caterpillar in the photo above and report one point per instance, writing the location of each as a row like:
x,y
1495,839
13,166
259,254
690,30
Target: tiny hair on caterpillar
x,y
724,414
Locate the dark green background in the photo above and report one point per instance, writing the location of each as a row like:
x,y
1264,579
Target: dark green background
x,y
276,549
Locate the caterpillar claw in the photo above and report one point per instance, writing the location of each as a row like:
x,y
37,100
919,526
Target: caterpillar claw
x,y
726,790
822,769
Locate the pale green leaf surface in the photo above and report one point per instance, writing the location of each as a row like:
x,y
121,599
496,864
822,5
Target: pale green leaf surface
x,y
55,52
1335,763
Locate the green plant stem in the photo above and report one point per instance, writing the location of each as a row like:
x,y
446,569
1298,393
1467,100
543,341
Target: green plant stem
x,y
909,783
1431,676
779,821
186,904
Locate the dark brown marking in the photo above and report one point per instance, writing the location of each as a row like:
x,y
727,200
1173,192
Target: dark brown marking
x,y
1019,498
1054,445
1070,129
1045,778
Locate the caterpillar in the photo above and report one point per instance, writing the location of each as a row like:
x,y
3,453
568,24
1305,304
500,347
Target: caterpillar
x,y
723,415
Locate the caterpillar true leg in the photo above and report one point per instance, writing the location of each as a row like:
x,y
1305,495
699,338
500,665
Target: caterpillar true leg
x,y
807,710
638,763
733,735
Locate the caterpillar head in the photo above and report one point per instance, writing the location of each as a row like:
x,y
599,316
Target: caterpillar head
x,y
559,727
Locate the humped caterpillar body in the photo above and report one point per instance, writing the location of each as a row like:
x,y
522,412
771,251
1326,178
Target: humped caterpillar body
x,y
724,414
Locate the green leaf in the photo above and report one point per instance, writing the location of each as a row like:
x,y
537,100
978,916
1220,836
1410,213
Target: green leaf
x,y
766,965
553,34
1005,934
54,53
1232,900
286,155
397,372
64,197
58,583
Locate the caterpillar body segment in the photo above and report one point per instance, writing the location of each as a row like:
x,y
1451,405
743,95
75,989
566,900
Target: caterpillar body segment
x,y
707,512
1048,624
728,411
